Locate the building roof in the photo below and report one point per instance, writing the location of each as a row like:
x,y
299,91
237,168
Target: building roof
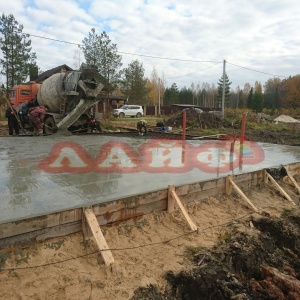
x,y
186,105
50,72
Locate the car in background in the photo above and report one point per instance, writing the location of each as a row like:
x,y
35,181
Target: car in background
x,y
129,111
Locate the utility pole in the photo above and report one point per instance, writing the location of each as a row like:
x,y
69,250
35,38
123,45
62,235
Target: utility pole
x,y
159,96
223,94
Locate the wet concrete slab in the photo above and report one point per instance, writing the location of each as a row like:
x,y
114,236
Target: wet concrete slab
x,y
42,175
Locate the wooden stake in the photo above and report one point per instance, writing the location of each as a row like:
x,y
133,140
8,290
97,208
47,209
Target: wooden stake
x,y
228,185
171,201
281,190
240,192
265,176
98,236
183,210
87,234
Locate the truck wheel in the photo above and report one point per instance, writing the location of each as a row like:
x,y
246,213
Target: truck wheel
x,y
121,115
49,125
138,115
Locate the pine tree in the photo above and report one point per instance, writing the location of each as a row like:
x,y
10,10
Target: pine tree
x,y
250,98
227,90
257,102
101,52
186,96
17,57
171,95
134,84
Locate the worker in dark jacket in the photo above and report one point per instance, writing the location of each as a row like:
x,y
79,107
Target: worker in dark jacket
x,y
36,116
11,115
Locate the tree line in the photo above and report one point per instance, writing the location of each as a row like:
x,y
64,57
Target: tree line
x,y
19,62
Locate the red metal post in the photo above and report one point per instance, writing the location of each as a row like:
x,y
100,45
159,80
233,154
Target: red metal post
x,y
183,125
242,137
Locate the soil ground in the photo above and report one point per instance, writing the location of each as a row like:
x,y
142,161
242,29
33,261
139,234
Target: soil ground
x,y
235,254
285,134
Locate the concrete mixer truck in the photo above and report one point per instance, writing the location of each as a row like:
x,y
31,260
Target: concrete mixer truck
x,y
68,95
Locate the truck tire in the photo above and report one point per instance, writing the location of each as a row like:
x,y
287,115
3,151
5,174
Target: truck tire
x,y
48,124
121,115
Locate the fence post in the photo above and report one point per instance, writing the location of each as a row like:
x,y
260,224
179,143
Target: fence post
x,y
183,125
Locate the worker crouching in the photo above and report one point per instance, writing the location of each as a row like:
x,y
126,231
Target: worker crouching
x,y
36,116
141,127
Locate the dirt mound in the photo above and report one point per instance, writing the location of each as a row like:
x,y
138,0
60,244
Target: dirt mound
x,y
259,263
195,119
286,119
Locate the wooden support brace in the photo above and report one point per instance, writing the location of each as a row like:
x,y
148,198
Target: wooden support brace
x,y
100,241
173,195
281,190
290,176
240,192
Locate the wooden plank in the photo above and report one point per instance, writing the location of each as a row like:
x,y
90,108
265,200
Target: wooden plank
x,y
240,192
98,236
59,231
184,212
126,213
171,200
40,222
281,190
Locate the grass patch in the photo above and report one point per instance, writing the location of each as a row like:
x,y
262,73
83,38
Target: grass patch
x,y
267,126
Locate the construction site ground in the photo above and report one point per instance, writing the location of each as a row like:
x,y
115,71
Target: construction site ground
x,y
235,254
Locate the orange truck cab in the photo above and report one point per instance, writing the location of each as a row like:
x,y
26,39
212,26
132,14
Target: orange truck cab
x,y
23,92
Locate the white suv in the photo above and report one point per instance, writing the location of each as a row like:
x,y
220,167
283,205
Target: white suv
x,y
129,111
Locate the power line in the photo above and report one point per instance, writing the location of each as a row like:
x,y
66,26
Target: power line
x,y
196,72
164,58
55,40
275,75
128,53
169,58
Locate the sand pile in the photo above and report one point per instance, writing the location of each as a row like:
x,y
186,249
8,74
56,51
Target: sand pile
x,y
286,119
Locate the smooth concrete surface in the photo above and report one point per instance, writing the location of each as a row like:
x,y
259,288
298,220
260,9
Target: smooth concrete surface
x,y
36,178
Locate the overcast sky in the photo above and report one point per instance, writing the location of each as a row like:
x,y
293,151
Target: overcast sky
x,y
192,37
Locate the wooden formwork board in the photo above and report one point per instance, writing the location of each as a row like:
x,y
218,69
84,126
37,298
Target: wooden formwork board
x,y
67,222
